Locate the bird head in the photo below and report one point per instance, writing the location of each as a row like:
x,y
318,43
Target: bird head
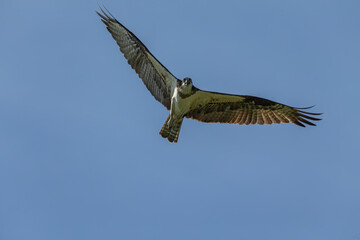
x,y
187,82
186,85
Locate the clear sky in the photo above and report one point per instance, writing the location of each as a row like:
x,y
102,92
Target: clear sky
x,y
80,153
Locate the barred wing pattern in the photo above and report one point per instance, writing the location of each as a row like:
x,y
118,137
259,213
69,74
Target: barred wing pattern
x,y
158,80
238,109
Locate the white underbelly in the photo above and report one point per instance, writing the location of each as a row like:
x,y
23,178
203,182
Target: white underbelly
x,y
179,106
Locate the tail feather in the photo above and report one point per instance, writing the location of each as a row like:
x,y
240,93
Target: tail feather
x,y
175,131
165,130
171,130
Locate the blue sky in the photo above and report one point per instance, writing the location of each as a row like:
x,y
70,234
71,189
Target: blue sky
x,y
80,153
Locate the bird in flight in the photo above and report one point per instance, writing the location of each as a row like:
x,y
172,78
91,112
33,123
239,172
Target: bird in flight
x,y
183,99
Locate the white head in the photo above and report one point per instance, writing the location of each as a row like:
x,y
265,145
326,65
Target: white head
x,y
186,85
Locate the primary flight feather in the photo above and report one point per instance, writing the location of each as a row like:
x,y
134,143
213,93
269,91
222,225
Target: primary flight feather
x,y
183,99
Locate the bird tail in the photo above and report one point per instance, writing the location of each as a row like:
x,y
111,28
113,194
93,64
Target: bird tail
x,y
171,129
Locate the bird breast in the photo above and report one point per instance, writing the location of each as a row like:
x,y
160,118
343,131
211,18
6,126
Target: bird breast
x,y
179,105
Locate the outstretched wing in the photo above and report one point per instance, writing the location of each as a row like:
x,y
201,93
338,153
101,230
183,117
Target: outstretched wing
x,y
160,82
238,109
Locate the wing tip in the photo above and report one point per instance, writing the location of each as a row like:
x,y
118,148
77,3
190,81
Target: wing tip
x,y
105,15
305,108
303,117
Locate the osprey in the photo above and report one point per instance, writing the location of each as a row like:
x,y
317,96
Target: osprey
x,y
183,99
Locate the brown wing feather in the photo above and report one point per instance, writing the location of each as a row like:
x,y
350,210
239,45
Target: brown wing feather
x,y
158,80
241,109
